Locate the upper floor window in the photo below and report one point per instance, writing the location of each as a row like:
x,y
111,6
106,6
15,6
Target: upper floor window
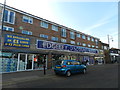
x,y
96,41
88,38
44,24
78,43
92,39
27,19
89,45
6,28
26,32
72,42
93,46
9,17
63,32
78,35
55,28
63,40
96,46
54,38
72,35
44,36
105,47
84,44
83,37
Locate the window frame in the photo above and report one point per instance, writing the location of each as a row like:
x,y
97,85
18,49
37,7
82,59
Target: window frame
x,y
28,32
72,35
7,28
44,24
8,16
55,28
63,32
83,37
54,38
88,38
63,40
28,18
78,35
43,36
72,41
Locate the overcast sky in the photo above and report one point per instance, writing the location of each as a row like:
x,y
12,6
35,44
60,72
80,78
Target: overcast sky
x,y
98,19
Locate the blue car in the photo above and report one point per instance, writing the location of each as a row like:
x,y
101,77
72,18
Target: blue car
x,y
68,67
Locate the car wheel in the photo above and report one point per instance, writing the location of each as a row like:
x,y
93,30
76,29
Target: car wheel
x,y
84,71
68,73
56,73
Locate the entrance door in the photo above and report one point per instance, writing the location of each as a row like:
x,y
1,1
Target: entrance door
x,y
25,61
29,61
22,62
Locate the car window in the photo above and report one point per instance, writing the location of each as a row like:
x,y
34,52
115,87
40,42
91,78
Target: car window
x,y
76,63
69,63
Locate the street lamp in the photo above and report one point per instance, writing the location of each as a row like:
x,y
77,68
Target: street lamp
x,y
2,25
109,40
3,15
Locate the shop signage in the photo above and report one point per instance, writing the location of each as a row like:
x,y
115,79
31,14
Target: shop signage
x,y
16,41
65,47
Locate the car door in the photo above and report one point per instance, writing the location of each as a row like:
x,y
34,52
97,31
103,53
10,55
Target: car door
x,y
71,66
78,66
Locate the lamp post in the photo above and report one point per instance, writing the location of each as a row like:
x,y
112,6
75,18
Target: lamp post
x,y
3,15
2,25
109,40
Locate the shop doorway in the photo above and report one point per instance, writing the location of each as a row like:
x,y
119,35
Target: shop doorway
x,y
25,61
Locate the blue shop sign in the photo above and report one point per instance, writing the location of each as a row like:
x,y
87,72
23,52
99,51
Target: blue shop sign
x,y
58,46
16,41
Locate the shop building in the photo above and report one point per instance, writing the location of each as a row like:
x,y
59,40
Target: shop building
x,y
114,55
27,40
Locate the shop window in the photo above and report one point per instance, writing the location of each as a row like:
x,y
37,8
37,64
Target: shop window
x,y
38,61
9,17
8,62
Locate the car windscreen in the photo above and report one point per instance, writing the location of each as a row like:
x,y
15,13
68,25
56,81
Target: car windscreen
x,y
60,62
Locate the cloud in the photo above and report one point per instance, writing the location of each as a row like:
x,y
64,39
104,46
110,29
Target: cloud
x,y
96,26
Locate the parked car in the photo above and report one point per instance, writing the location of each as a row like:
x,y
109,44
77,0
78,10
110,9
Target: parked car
x,y
68,67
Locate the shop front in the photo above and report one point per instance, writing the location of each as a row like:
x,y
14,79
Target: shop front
x,y
21,53
12,62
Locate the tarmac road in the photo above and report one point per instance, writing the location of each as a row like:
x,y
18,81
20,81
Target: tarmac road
x,y
97,76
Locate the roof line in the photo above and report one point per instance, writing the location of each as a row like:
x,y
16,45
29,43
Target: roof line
x,y
36,17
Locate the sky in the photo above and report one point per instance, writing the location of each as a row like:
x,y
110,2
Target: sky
x,y
98,18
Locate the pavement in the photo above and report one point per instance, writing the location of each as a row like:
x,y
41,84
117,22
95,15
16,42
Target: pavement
x,y
23,76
